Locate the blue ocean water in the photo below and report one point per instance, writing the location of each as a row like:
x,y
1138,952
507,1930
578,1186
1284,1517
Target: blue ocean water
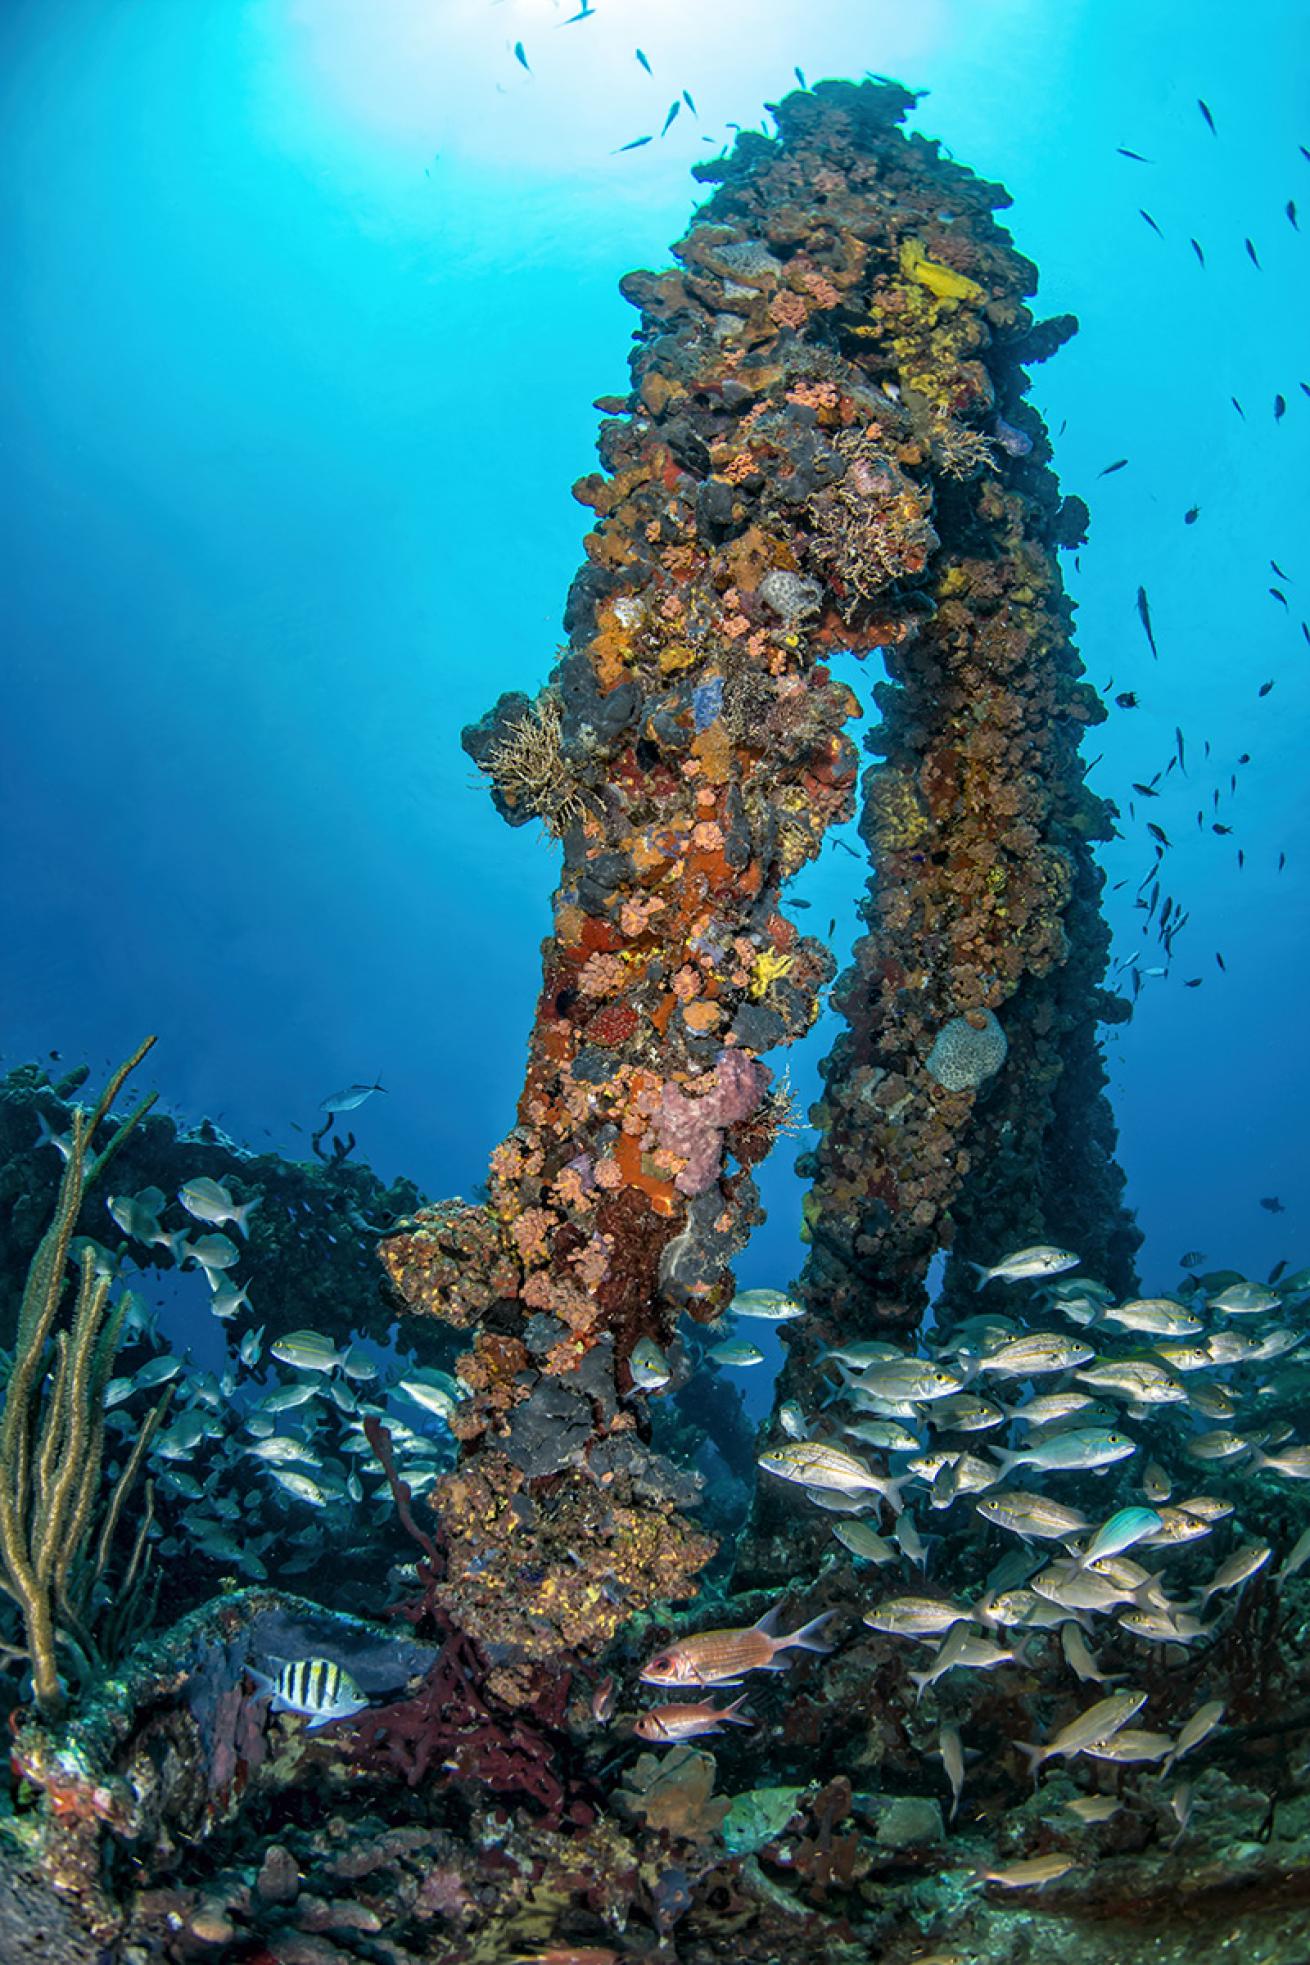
x,y
308,307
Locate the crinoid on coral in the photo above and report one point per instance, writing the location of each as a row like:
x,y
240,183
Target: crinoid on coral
x,y
872,527
959,451
527,769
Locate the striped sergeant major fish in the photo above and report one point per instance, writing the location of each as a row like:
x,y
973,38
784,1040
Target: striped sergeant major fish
x,y
318,1689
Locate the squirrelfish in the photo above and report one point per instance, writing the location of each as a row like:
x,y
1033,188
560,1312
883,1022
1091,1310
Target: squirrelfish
x,y
689,1722
720,1657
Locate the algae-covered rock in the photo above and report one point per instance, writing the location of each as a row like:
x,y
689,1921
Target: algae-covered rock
x,y
758,1817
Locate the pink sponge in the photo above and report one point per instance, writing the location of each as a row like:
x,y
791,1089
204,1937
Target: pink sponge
x,y
693,1128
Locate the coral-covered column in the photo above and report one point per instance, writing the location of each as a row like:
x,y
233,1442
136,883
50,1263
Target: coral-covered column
x,y
813,409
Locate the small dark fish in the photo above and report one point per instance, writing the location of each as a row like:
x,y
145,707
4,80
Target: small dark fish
x,y
1146,791
1220,960
1135,155
1280,408
1193,982
1238,407
1167,769
1137,984
520,57
1196,248
1191,515
1276,1271
799,73
1209,119
1127,701
1142,213
1192,1260
1178,741
687,98
672,116
1279,571
1200,820
1264,688
642,59
1245,758
1158,832
832,927
1241,859
1271,1204
1215,796
1305,630
1144,616
1282,861
1117,885
1279,596
1304,152
1251,254
1290,209
1110,469
1223,831
636,144
846,849
800,903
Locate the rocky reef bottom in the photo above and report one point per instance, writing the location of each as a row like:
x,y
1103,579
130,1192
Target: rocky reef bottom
x,y
176,1818
368,1887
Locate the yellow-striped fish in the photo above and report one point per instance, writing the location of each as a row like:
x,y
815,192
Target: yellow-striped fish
x,y
318,1689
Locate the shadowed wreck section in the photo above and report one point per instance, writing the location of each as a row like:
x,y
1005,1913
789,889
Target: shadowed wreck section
x,y
812,459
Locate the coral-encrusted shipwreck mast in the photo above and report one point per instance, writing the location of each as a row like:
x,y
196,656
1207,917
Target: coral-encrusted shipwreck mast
x,y
811,460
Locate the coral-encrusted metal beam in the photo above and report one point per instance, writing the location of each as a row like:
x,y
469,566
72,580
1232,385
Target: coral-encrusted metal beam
x,y
812,400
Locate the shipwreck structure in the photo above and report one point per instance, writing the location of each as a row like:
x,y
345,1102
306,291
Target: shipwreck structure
x,y
824,449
